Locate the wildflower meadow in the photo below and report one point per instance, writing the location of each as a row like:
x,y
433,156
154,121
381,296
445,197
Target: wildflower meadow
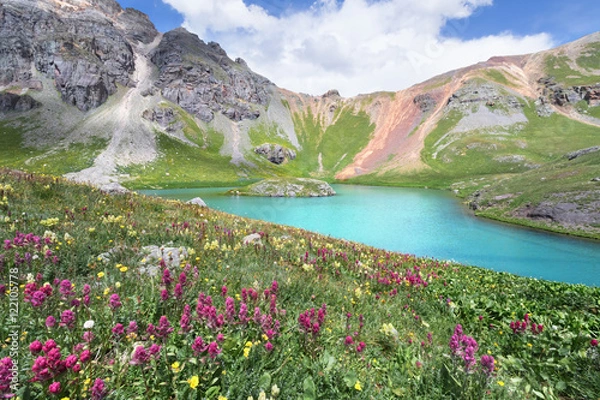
x,y
132,297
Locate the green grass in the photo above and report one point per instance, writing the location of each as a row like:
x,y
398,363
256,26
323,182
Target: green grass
x,y
409,308
590,58
12,152
344,139
181,165
268,133
584,108
558,67
75,157
498,77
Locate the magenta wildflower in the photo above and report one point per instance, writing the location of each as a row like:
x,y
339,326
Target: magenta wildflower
x,y
487,364
182,278
268,347
164,328
230,308
118,329
213,350
594,342
98,389
54,387
49,345
186,318
164,295
88,336
348,341
66,289
140,356
178,292
224,291
154,350
198,346
115,301
463,346
67,319
35,347
85,356
71,360
41,369
6,366
361,346
37,298
243,314
166,278
133,327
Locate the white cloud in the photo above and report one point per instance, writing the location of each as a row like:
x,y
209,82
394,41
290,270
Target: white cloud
x,y
355,46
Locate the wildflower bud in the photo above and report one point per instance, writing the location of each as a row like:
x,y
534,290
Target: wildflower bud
x,y
594,342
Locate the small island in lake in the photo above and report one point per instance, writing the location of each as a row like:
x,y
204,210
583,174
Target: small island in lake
x,y
286,187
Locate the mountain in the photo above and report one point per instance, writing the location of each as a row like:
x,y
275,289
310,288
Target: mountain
x,y
94,92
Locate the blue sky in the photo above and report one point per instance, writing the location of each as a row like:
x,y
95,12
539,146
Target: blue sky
x,y
360,46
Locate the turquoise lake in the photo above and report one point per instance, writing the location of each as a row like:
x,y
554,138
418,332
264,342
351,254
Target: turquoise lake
x,y
418,221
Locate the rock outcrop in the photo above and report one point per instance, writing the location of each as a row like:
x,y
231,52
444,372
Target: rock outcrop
x,y
203,80
425,102
14,102
582,152
275,153
299,187
163,116
84,47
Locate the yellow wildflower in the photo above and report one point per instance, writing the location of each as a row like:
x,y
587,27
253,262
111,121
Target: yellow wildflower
x,y
221,398
193,381
100,274
123,269
176,367
501,383
357,386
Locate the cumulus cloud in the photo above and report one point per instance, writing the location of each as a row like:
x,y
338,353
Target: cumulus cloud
x,y
355,46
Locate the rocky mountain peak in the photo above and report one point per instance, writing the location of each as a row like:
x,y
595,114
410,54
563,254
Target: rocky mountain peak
x,y
203,80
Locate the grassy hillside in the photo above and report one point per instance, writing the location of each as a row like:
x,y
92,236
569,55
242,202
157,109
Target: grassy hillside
x,y
292,314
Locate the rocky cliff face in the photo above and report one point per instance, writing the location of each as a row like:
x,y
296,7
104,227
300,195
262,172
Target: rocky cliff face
x,y
83,46
203,80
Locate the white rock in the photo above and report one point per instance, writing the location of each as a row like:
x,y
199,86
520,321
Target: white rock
x,y
197,201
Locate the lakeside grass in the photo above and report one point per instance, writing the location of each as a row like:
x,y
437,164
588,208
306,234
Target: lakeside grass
x,y
386,330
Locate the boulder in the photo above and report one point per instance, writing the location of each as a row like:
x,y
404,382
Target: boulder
x,y
252,239
113,188
14,102
275,153
197,201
